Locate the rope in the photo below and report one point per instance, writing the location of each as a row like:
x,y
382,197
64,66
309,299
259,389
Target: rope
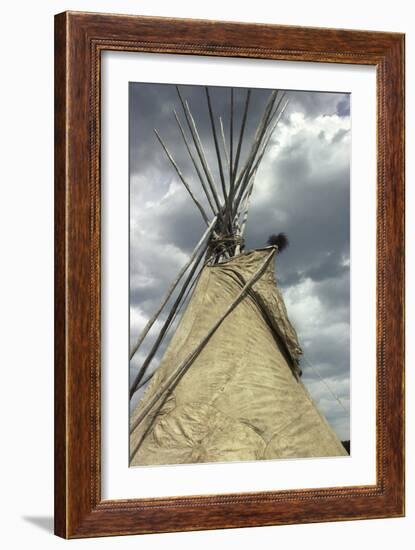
x,y
233,238
333,393
219,243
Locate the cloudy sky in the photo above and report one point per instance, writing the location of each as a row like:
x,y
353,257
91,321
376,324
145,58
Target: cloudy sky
x,y
302,188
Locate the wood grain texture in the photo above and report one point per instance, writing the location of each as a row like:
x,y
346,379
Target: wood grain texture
x,y
60,277
79,40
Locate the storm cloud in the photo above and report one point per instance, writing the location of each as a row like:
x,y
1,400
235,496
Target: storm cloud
x,y
302,188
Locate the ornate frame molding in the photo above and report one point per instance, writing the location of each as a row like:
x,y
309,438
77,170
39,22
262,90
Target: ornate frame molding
x,y
79,40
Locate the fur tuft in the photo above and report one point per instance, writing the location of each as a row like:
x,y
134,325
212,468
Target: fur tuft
x,y
279,240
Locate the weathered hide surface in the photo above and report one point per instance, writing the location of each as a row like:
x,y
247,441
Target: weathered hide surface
x,y
241,398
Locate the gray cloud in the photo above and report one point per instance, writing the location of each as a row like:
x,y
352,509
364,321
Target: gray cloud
x,y
302,188
343,107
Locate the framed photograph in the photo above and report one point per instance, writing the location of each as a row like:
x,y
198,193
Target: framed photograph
x,y
229,275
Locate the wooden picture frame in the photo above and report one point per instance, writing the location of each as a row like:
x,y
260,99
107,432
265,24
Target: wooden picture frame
x,y
79,40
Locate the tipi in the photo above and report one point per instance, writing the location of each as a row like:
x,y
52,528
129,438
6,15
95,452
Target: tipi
x,y
228,386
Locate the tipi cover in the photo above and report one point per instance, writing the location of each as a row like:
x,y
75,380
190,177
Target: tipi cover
x,y
242,397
